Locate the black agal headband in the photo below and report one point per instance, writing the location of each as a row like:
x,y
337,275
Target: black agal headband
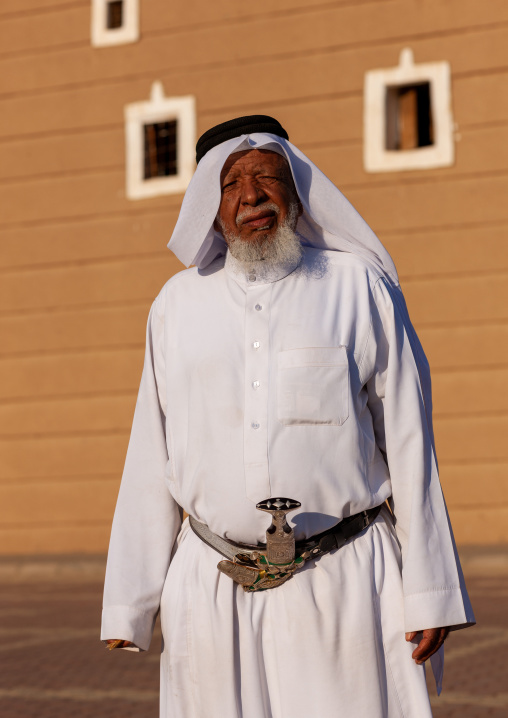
x,y
234,128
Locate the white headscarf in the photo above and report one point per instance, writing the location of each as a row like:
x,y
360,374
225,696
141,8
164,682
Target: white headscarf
x,y
329,221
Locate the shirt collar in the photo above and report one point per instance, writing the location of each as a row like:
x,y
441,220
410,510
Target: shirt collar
x,y
260,273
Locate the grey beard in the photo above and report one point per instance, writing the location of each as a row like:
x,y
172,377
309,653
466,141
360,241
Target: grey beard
x,y
283,248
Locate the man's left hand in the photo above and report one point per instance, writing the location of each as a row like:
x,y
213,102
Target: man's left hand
x,y
431,641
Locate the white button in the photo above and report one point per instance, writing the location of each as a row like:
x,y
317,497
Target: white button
x,y
258,307
256,384
255,425
256,345
252,277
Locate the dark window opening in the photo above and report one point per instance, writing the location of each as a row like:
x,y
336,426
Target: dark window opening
x,y
115,14
160,149
409,122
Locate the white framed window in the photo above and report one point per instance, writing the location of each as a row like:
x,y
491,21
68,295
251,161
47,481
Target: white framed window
x,y
408,121
160,139
114,22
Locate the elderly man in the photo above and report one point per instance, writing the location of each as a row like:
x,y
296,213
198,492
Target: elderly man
x,y
282,375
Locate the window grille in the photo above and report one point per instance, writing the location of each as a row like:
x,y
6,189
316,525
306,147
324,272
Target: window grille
x,y
160,149
115,14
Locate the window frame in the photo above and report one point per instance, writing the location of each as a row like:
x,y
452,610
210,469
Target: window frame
x,y
159,109
102,36
376,157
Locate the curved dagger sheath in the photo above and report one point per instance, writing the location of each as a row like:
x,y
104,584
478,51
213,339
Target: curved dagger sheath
x,y
259,569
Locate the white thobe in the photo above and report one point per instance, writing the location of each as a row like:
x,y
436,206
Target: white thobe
x,y
296,382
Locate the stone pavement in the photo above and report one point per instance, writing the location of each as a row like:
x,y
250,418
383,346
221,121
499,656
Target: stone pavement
x,y
53,665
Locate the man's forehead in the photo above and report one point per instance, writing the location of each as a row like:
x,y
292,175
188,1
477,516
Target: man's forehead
x,y
253,160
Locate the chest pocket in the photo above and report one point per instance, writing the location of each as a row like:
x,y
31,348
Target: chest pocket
x,y
313,386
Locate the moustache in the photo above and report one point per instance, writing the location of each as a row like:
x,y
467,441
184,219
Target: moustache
x,y
271,206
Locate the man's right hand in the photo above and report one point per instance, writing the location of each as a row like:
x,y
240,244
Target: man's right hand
x,y
118,643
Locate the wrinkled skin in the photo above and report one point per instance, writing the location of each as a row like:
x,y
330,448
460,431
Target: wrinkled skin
x,y
250,180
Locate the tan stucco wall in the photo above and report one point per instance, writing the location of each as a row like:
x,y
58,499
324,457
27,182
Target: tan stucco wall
x,y
80,264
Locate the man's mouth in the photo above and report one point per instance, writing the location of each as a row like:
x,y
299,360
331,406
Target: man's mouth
x,y
259,220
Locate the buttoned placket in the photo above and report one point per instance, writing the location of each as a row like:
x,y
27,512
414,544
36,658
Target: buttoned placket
x,y
257,323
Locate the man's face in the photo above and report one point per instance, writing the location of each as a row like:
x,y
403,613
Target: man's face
x,y
257,190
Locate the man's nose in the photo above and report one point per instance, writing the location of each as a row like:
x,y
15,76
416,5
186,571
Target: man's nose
x,y
252,193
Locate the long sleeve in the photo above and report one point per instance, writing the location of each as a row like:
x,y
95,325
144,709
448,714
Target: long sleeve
x,y
147,519
434,589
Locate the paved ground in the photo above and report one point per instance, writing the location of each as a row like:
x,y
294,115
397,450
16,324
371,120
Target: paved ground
x,y
52,664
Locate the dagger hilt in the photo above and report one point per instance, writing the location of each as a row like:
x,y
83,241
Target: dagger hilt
x,y
280,537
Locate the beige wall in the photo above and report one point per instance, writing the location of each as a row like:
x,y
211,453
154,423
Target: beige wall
x,y
80,264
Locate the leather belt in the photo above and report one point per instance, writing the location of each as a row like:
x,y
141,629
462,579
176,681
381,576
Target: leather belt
x,y
265,566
